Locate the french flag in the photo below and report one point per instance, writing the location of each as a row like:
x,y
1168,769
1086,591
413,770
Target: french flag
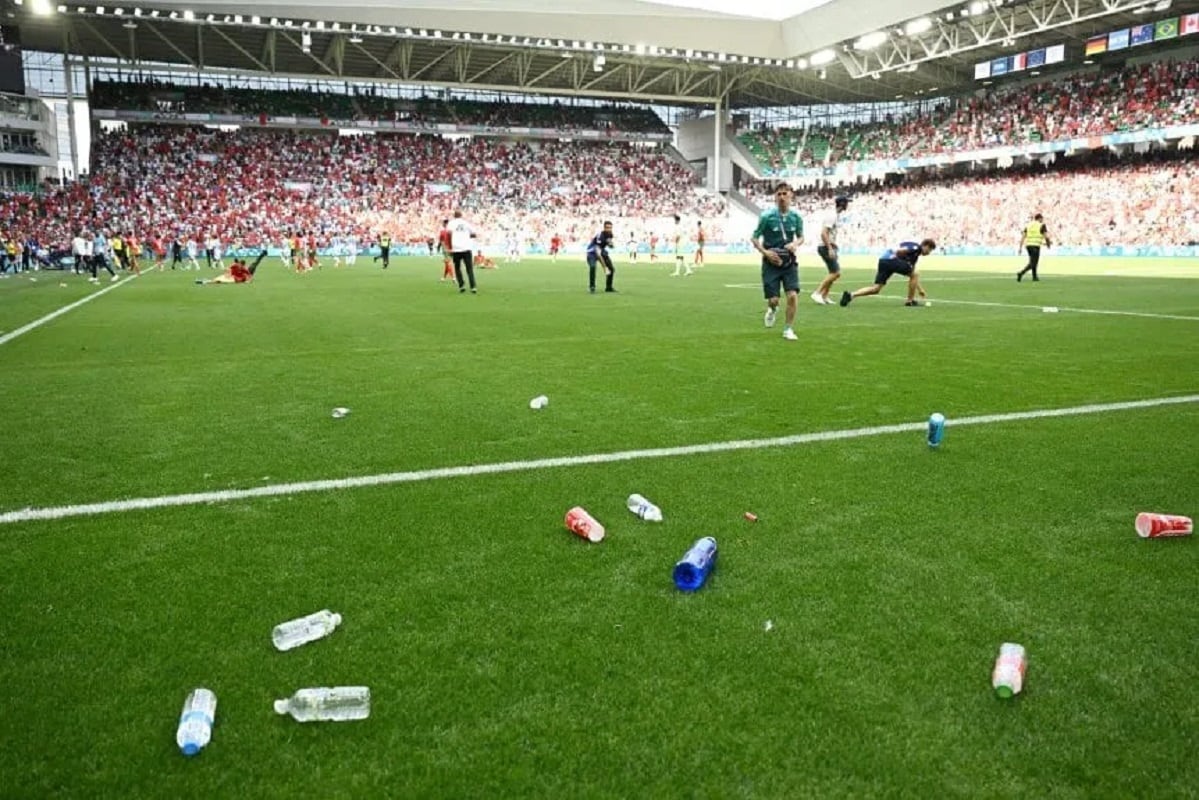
x,y
1019,62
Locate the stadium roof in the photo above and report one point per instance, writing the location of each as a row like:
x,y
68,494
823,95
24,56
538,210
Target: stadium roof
x,y
747,53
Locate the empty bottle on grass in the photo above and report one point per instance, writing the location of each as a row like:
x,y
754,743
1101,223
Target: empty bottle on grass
x,y
287,635
936,430
1008,677
327,704
644,508
195,723
692,570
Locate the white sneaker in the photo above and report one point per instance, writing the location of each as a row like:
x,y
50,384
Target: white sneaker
x,y
818,299
789,335
770,314
115,278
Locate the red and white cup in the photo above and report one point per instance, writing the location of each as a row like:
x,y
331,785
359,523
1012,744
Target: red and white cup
x,y
580,523
1158,526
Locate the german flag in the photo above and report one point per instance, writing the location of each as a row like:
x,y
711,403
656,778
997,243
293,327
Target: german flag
x,y
1096,45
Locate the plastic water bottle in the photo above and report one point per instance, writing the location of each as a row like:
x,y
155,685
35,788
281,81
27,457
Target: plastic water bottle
x,y
936,429
539,402
1008,677
327,704
644,508
287,635
691,572
195,723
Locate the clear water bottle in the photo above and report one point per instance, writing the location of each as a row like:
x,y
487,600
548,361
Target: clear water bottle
x,y
195,723
1008,677
644,508
307,629
692,570
327,704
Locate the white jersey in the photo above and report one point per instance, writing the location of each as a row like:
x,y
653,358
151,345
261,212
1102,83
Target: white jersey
x,y
460,235
832,223
79,246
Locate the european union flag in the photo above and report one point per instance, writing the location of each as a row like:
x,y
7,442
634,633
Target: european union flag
x,y
1141,34
1036,58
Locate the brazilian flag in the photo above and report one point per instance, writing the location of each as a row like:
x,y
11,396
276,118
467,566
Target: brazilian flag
x,y
1166,29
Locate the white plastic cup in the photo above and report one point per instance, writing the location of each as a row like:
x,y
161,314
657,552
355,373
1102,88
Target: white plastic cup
x,y
539,402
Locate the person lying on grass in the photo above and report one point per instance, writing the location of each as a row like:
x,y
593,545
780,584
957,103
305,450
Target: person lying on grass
x,y
238,272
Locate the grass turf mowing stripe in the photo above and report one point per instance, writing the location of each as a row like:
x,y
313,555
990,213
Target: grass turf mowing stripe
x,y
275,490
39,322
1108,312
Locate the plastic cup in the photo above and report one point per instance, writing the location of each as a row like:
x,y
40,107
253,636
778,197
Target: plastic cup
x,y
1160,526
580,523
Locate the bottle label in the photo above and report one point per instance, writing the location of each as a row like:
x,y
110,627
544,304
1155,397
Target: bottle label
x,y
195,714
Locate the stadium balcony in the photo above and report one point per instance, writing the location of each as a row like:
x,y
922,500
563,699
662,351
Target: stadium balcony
x,y
156,97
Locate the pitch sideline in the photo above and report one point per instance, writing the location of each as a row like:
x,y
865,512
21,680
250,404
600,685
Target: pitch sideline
x,y
53,315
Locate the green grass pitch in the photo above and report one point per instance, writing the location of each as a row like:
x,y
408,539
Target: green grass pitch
x,y
508,658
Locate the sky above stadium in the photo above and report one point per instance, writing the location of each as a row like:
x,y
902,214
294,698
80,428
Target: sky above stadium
x,y
776,10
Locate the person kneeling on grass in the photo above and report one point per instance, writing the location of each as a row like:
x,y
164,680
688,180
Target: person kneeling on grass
x,y
900,261
238,273
483,262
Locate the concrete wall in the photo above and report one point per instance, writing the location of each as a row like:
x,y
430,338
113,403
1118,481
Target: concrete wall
x,y
694,139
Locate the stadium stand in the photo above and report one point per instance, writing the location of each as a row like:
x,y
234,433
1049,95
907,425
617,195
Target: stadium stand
x,y
1083,104
206,98
258,185
1089,200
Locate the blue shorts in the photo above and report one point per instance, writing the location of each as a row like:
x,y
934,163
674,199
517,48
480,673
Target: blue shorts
x,y
891,266
833,264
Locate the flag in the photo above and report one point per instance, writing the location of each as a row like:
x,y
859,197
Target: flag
x,y
1117,40
1190,24
1019,61
1095,46
1036,58
1141,34
1000,67
1166,29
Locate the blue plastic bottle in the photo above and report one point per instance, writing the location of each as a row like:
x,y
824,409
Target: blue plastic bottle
x,y
691,572
936,429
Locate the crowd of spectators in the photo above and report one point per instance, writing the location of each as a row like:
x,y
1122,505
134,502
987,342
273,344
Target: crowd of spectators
x,y
1088,200
259,185
363,103
1083,104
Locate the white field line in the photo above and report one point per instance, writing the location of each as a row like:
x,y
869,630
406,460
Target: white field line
x,y
1063,309
939,280
283,489
37,323
1103,311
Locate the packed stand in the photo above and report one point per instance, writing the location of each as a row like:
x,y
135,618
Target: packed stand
x,y
1088,200
365,104
1088,104
258,186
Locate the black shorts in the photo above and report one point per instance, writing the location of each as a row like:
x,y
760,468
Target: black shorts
x,y
787,274
833,264
891,266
